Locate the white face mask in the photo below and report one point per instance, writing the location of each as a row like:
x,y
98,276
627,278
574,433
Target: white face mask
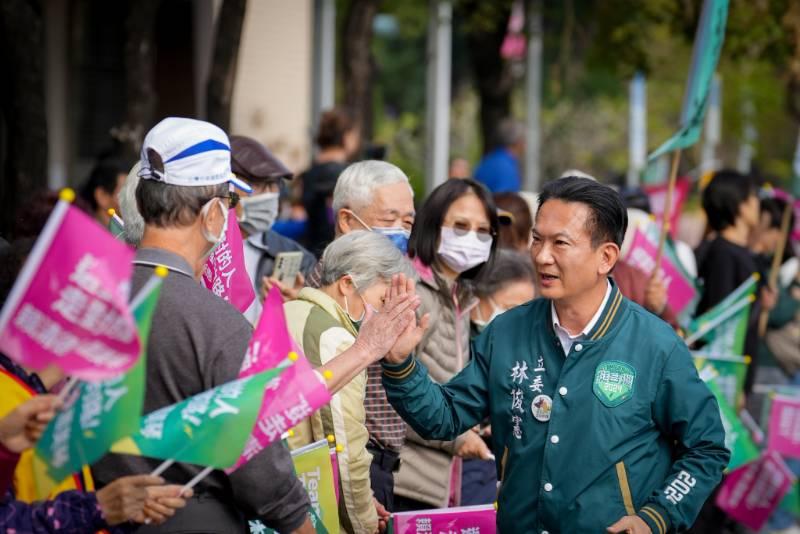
x,y
259,212
214,240
496,310
463,252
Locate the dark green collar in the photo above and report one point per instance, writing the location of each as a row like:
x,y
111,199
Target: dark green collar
x,y
610,314
608,318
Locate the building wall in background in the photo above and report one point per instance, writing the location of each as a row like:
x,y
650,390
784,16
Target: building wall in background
x,y
272,93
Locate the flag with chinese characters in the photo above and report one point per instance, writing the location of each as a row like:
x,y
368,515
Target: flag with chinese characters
x,y
784,426
729,335
100,413
225,274
69,304
292,397
464,519
751,493
208,429
727,372
681,291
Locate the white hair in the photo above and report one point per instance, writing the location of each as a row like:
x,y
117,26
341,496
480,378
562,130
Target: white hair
x,y
357,183
134,223
367,257
577,173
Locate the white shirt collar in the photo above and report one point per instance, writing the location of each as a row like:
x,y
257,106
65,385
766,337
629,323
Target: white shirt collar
x,y
564,336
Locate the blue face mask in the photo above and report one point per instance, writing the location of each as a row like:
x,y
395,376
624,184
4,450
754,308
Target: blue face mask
x,y
397,235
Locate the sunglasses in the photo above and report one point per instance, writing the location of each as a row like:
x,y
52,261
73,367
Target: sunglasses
x,y
462,229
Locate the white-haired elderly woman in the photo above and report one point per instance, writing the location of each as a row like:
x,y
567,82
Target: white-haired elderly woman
x,y
357,269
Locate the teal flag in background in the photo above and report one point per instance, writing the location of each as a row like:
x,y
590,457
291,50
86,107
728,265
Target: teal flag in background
x,y
705,55
102,412
727,338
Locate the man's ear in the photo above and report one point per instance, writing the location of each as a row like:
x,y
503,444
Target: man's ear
x,y
609,255
344,221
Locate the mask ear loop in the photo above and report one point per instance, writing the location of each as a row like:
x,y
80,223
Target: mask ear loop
x,y
204,213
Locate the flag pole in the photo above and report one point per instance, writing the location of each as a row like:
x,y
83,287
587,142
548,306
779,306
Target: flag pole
x,y
67,389
776,264
662,238
197,478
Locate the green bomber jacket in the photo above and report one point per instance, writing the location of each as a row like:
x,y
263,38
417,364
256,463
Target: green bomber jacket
x,y
622,425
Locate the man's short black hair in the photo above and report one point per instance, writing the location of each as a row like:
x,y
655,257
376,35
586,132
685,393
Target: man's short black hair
x,y
608,218
424,240
724,196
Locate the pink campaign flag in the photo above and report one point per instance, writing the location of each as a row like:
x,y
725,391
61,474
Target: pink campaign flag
x,y
225,274
751,493
658,199
69,305
479,519
642,254
298,392
784,426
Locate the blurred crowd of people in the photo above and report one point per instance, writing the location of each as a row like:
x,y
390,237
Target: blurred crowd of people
x,y
357,226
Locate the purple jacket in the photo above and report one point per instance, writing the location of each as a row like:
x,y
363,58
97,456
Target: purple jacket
x,y
71,512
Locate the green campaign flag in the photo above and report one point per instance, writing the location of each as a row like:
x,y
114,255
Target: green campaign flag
x,y
103,412
724,327
210,428
705,55
791,501
737,437
727,372
116,227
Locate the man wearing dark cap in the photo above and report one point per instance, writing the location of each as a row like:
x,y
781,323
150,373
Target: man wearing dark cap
x,y
253,163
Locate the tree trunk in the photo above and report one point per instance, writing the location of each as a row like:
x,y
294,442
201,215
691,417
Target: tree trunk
x,y
223,66
140,93
492,75
358,63
23,124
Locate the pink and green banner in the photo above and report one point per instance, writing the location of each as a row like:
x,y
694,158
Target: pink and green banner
x,y
784,426
681,292
290,398
99,414
224,273
69,305
208,429
751,493
482,519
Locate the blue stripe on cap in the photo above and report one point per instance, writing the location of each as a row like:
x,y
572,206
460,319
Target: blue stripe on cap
x,y
203,146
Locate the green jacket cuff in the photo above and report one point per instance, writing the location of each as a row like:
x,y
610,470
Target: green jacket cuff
x,y
655,517
399,371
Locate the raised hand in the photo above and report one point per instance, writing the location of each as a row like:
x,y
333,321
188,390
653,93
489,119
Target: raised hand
x,y
381,331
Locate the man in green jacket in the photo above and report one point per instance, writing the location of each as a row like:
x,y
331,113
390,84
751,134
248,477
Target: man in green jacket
x,y
600,422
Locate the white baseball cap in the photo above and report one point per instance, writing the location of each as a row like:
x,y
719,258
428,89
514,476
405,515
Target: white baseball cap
x,y
188,152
